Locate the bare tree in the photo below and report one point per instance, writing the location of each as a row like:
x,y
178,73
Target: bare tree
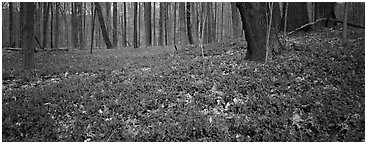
x,y
103,27
28,35
188,18
148,24
114,32
11,43
181,15
135,25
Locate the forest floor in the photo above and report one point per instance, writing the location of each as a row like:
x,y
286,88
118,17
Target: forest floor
x,y
313,91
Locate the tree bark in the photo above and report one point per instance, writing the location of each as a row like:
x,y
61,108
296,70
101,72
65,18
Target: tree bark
x,y
174,23
181,13
236,29
189,30
28,35
93,24
103,27
161,23
254,22
135,25
148,24
124,29
21,25
153,27
11,43
345,22
114,34
57,25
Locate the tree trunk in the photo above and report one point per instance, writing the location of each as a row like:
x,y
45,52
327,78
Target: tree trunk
x,y
235,21
174,23
153,27
253,17
325,10
181,13
93,24
57,25
296,15
52,25
11,43
107,24
189,30
345,22
135,25
21,25
148,24
124,39
28,35
114,35
161,23
103,27
45,23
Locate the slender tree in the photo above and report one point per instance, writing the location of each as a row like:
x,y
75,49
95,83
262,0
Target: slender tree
x,y
28,35
254,22
103,27
124,28
11,43
21,24
174,23
93,24
148,24
153,23
114,34
181,15
135,25
57,24
345,21
161,23
45,23
188,20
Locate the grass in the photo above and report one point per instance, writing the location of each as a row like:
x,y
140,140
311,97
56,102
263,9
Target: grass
x,y
313,91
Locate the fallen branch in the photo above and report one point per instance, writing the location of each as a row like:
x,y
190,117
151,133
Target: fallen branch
x,y
323,19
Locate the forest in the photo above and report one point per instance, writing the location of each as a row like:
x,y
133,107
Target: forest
x,y
183,72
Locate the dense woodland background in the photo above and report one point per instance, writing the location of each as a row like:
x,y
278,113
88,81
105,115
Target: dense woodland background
x,y
69,24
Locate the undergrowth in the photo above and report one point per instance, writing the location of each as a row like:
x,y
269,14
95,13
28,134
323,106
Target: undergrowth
x,y
313,91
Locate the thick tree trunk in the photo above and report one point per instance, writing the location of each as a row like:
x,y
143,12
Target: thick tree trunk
x,y
148,24
296,15
254,22
189,30
135,25
103,27
114,33
28,35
